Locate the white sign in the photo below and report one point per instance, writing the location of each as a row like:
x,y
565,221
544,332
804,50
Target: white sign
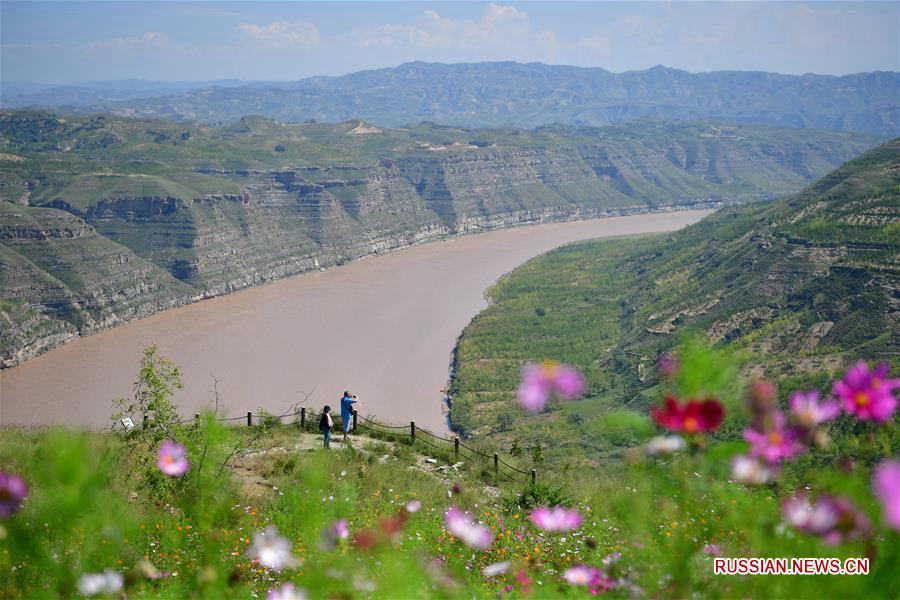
x,y
127,423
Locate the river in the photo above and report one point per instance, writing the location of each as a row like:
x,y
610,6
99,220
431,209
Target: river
x,y
383,328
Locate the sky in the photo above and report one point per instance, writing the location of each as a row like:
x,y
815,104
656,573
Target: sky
x,y
64,42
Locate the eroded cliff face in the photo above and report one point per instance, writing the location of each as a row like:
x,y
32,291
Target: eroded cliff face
x,y
71,267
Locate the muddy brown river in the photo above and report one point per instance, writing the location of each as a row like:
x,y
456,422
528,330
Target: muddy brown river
x,y
383,328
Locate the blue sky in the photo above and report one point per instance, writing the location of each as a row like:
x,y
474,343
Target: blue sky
x,y
82,41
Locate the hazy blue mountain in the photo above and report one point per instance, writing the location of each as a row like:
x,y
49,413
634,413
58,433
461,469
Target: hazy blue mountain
x,y
528,95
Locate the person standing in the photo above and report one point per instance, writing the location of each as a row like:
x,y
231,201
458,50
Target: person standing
x,y
325,425
347,403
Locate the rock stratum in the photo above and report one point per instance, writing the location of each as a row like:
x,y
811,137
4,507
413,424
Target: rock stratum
x,y
105,219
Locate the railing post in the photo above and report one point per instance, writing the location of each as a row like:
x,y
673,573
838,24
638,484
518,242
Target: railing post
x,y
249,418
303,417
197,419
412,430
533,476
456,446
146,420
354,420
496,464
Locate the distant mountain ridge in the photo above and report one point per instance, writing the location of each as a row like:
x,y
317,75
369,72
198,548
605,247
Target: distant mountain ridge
x,y
495,94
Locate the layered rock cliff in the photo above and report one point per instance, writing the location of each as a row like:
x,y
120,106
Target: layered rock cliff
x,y
93,235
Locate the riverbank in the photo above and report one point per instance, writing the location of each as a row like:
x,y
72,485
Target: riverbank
x,y
383,328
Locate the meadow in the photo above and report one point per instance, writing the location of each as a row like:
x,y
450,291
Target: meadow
x,y
202,509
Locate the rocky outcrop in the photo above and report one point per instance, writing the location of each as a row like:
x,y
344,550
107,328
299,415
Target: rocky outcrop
x,y
72,267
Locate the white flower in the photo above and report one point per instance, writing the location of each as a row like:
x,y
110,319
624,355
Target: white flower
x,y
93,584
665,444
746,469
286,592
496,569
272,550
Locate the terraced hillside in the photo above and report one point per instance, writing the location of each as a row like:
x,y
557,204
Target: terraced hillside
x,y
107,219
794,286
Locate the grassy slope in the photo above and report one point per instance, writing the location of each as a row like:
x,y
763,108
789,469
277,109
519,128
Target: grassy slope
x,y
795,285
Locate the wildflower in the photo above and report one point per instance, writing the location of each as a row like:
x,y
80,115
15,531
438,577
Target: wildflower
x,y
668,365
712,550
776,443
148,570
539,381
556,519
807,410
334,533
583,575
286,592
747,469
693,417
172,459
12,492
665,444
107,583
413,506
461,525
611,559
832,519
867,394
271,550
496,569
887,487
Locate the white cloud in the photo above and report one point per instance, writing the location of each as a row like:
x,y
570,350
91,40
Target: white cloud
x,y
503,27
150,39
280,34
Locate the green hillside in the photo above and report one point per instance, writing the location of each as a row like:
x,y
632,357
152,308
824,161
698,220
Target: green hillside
x,y
794,286
197,211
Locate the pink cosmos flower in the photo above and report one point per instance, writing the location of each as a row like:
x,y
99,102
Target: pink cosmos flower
x,y
538,382
413,506
462,526
172,459
286,592
12,492
774,444
334,533
668,365
584,575
712,550
556,519
832,519
866,393
809,412
887,487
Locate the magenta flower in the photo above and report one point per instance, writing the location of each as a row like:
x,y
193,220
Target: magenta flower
x,y
867,394
887,487
809,412
538,382
286,592
12,492
712,550
463,527
413,506
334,533
172,459
774,444
556,519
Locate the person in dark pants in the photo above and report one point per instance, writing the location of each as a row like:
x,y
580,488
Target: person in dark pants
x,y
325,425
347,403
